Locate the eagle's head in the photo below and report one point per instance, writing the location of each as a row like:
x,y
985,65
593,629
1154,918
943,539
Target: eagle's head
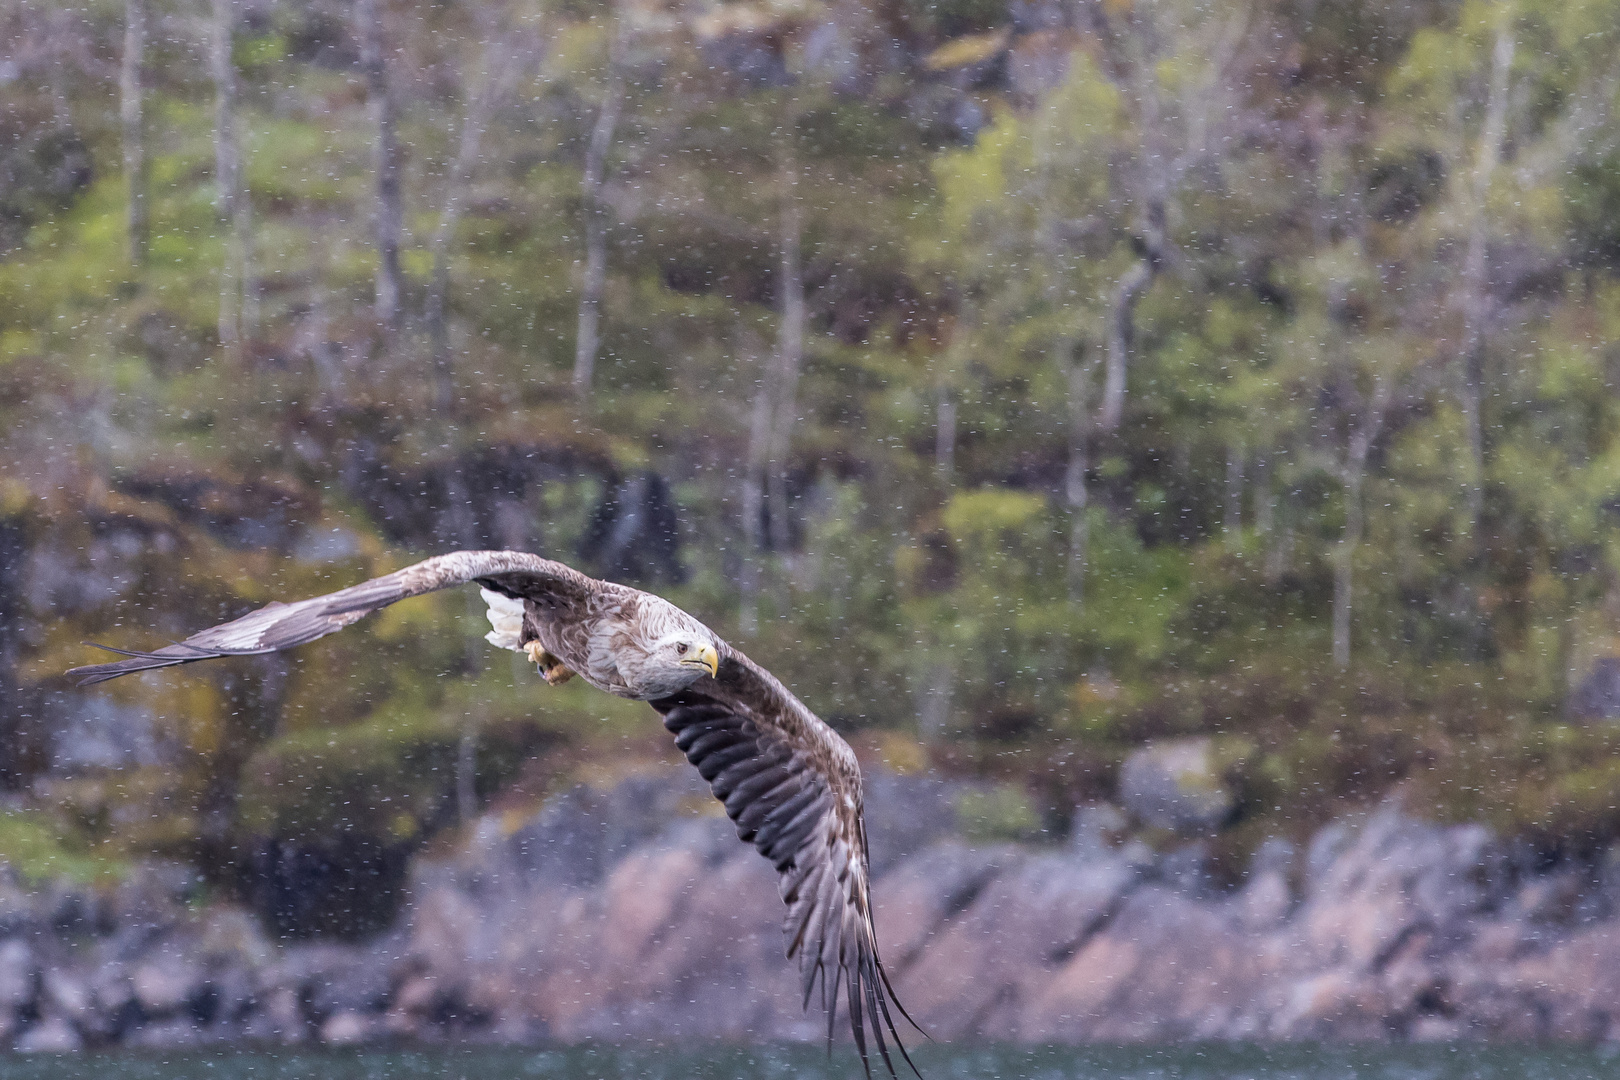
x,y
676,651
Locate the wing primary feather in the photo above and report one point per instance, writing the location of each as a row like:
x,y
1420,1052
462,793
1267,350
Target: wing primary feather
x,y
872,999
712,766
790,809
883,973
756,788
887,1019
781,841
707,739
738,772
814,916
753,815
852,988
133,652
212,651
830,1002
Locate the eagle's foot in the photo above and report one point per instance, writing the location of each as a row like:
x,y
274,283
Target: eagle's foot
x,y
553,670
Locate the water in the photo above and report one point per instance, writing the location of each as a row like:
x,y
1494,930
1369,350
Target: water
x,y
712,1062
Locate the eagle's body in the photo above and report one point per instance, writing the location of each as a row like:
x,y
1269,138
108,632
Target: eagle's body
x,y
788,782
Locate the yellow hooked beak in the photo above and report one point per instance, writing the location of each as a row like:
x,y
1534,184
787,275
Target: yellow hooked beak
x,y
705,657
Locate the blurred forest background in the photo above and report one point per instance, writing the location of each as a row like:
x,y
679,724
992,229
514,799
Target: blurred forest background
x,y
1022,380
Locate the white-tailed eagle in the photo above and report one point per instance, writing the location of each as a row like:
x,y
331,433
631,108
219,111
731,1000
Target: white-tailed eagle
x,y
787,780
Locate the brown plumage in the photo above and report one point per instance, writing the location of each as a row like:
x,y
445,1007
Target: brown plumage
x,y
787,780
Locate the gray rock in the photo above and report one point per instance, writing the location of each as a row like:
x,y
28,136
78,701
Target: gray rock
x,y
1265,901
52,1035
166,982
976,971
67,993
112,1007
1386,926
19,975
576,836
1176,785
1165,966
71,910
1274,855
1187,869
913,900
907,813
280,1018
175,1033
1097,829
360,986
155,894
1598,695
348,1028
233,996
17,910
96,732
231,935
1267,897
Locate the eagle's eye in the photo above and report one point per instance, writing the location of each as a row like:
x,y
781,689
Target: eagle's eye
x,y
680,649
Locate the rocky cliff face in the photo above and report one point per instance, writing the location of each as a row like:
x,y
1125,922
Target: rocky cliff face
x,y
630,913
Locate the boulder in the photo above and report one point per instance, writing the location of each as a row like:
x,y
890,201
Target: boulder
x,y
980,970
908,812
1164,967
1176,785
1597,697
576,836
166,982
912,902
19,975
348,1028
52,1035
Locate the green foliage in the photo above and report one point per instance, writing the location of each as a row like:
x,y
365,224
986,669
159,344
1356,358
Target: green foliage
x,y
1000,813
39,849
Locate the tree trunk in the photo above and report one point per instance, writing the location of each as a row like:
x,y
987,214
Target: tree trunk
x,y
944,432
1232,515
753,507
481,99
789,358
1121,331
1343,565
587,338
1476,300
1265,518
388,219
934,702
130,91
1352,474
237,310
467,774
1074,481
1122,313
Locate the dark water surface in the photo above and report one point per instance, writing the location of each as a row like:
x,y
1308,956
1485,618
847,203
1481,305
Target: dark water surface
x,y
1215,1062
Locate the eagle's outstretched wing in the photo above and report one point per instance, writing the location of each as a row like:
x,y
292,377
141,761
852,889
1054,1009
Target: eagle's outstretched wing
x,y
279,626
788,781
793,788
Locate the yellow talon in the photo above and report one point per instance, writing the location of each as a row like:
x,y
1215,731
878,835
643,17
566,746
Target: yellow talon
x,y
552,669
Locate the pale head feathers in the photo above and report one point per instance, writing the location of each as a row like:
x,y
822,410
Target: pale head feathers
x,y
668,650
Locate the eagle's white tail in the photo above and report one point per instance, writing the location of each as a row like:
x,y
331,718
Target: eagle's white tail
x,y
506,616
